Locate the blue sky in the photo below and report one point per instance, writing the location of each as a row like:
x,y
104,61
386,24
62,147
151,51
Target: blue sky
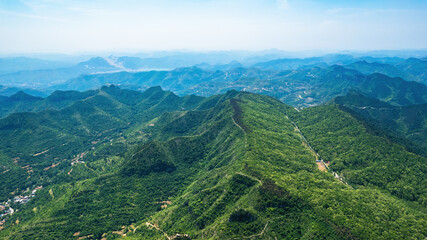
x,y
72,26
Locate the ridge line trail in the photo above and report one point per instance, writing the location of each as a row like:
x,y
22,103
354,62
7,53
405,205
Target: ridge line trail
x,y
232,118
237,113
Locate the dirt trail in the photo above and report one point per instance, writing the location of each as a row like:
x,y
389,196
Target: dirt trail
x,y
321,166
40,153
255,235
237,116
176,236
150,225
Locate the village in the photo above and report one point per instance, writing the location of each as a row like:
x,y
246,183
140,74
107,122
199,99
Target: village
x,y
6,208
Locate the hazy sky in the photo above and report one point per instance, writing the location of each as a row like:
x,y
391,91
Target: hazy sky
x,y
67,26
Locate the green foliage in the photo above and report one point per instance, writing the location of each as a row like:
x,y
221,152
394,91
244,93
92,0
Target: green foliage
x,y
238,168
410,123
364,159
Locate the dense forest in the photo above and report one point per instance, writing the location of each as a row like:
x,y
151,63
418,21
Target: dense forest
x,y
151,165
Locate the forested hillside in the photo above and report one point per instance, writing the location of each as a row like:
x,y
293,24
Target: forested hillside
x,y
408,123
231,166
41,146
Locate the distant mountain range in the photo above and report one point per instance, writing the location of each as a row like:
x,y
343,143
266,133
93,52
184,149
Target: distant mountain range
x,y
8,91
299,82
41,74
411,69
304,87
18,64
44,78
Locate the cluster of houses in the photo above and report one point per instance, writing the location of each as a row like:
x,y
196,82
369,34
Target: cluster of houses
x,y
6,209
77,159
24,199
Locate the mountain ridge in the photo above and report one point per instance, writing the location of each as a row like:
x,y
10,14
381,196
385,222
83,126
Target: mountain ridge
x,y
228,166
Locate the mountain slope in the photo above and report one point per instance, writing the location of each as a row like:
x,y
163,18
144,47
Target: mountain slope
x,y
409,122
9,91
411,69
363,158
237,167
275,190
37,141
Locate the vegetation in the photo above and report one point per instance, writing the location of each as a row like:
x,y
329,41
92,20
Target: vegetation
x,y
230,166
308,86
408,123
361,157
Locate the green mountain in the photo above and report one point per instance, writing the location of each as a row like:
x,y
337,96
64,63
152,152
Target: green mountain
x,y
410,122
9,91
411,69
231,166
36,141
302,88
19,102
415,67
23,102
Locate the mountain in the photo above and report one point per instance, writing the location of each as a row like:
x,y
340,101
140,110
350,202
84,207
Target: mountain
x,y
22,102
411,69
290,80
359,155
302,88
51,137
415,67
296,63
44,78
374,67
153,165
17,64
222,67
410,122
179,78
8,91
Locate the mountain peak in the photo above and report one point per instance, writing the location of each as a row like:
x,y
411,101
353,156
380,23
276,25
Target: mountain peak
x,y
357,99
154,89
96,62
22,96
